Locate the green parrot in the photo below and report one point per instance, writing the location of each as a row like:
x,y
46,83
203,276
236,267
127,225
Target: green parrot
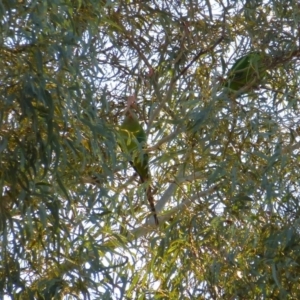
x,y
246,72
133,140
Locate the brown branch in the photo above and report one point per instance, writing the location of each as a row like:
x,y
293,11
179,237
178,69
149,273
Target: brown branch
x,y
218,41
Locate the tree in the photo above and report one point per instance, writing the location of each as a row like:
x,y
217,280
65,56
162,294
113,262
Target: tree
x,y
224,169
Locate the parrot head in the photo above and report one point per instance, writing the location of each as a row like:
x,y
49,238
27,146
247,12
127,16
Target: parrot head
x,y
131,102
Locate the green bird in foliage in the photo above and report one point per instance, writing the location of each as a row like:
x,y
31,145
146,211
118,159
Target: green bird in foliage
x,y
246,73
133,140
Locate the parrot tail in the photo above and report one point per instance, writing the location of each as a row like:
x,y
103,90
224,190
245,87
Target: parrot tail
x,y
149,195
151,203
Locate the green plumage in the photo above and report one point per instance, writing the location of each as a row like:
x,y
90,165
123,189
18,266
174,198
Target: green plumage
x,y
246,72
133,139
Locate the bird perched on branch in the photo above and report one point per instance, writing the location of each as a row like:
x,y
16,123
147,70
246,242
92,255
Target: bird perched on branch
x,y
133,140
246,73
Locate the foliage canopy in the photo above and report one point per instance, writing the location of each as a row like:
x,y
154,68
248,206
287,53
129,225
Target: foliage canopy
x,y
225,168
